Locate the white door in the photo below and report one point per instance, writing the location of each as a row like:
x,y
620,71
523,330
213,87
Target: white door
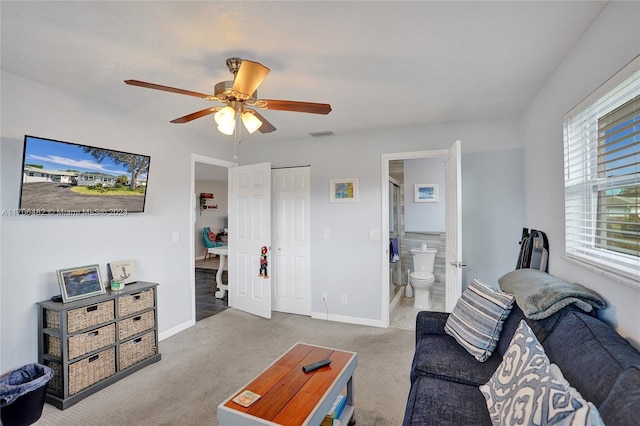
x,y
291,195
249,232
453,190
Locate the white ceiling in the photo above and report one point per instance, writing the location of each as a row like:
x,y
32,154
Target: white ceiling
x,y
379,64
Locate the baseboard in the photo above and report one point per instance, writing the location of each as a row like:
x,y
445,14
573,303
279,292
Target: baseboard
x,y
347,319
175,330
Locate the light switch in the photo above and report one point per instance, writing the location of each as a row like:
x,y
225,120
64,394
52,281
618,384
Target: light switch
x,y
176,236
325,234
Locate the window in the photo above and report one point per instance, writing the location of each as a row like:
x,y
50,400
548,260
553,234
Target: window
x,y
602,177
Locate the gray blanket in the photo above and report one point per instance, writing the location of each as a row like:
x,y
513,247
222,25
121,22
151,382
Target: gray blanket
x,y
540,295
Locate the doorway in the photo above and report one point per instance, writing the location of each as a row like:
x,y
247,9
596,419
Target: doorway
x,y
445,236
208,176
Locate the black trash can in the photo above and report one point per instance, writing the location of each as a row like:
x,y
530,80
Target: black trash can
x,y
22,394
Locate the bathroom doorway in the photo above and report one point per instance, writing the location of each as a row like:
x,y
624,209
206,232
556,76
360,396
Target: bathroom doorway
x,y
415,224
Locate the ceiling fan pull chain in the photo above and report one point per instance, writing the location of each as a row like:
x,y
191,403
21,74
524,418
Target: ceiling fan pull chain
x,y
237,136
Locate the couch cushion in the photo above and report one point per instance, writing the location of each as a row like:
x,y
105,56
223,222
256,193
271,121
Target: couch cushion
x,y
587,414
524,391
621,407
440,356
590,354
542,328
434,402
477,318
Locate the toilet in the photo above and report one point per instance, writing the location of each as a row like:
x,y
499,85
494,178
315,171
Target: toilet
x,y
422,278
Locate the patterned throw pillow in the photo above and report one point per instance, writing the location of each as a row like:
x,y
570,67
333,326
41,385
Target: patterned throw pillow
x,y
476,320
524,391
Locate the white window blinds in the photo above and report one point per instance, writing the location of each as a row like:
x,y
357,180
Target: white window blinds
x,y
602,176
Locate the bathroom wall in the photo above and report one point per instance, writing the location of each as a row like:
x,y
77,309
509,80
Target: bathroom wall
x,y
421,216
424,223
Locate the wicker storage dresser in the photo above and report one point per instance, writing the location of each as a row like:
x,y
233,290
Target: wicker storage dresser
x,y
93,342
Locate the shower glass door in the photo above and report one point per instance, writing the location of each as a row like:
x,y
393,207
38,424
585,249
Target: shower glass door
x,y
395,275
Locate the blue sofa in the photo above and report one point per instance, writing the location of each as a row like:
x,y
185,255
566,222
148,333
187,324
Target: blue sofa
x,y
595,360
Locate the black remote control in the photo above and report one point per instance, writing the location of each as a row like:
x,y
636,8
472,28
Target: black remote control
x,y
316,365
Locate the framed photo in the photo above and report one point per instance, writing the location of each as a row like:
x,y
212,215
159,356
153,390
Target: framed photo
x,y
425,193
124,271
79,283
343,190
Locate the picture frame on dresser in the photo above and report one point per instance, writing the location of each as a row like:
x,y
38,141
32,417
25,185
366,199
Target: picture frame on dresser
x,y
123,271
80,282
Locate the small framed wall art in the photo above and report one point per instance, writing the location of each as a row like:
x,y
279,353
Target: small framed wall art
x,y
79,283
123,271
343,190
425,193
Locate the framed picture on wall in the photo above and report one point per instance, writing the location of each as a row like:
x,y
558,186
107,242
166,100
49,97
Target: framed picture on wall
x,y
425,193
343,190
78,283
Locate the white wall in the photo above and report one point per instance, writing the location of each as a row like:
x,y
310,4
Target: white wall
x,y
614,38
492,213
348,262
33,248
424,217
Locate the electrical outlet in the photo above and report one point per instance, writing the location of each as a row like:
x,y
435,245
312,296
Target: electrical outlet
x,y
344,299
324,297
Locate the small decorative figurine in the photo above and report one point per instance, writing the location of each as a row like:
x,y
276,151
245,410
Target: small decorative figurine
x,y
264,263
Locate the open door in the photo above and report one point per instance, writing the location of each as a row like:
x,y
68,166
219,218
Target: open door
x,y
454,263
249,232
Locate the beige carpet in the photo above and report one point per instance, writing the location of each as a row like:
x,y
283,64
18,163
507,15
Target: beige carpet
x,y
206,363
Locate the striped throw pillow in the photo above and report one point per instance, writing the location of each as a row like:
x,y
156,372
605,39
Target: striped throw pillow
x,y
476,320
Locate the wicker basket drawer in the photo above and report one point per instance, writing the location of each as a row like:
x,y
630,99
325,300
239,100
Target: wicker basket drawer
x,y
81,318
134,325
135,350
136,302
83,373
55,384
84,343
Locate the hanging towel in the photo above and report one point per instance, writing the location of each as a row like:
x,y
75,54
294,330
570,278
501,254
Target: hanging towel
x,y
393,250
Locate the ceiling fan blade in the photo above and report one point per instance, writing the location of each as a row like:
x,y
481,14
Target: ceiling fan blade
x,y
166,88
266,126
311,107
250,75
198,114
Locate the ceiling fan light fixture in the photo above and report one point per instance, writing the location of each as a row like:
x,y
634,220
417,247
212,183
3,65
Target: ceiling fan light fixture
x,y
251,122
227,128
225,116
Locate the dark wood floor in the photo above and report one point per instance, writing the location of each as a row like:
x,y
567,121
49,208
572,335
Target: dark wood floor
x,y
206,302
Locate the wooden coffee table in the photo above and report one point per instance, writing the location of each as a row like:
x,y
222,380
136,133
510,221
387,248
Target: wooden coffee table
x,y
291,397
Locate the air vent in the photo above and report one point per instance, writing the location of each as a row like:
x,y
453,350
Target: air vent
x,y
324,133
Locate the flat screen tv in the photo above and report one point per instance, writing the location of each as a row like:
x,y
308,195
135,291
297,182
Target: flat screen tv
x,y
64,178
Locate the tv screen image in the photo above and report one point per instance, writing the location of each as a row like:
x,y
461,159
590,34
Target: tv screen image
x,y
66,178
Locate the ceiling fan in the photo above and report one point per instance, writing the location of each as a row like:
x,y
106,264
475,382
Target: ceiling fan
x,y
239,95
